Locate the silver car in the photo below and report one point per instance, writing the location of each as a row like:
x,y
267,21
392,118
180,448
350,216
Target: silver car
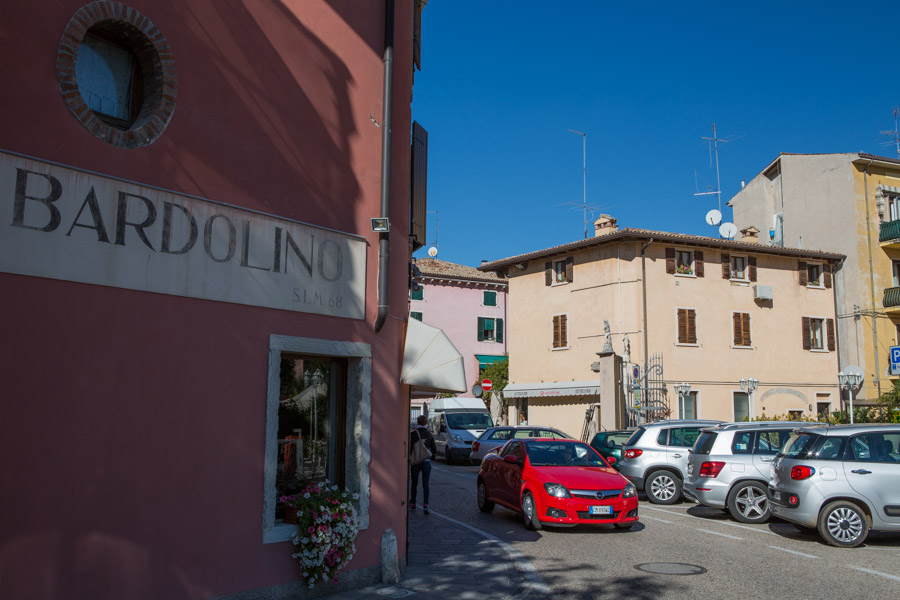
x,y
729,467
495,437
655,457
841,480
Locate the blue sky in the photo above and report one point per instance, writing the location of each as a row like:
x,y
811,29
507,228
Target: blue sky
x,y
502,82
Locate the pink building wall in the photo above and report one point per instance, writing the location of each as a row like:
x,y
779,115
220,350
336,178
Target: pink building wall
x,y
133,423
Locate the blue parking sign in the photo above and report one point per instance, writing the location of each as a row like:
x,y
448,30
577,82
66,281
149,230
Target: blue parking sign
x,y
895,360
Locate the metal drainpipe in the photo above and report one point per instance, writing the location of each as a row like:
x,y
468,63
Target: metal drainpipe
x,y
872,282
644,286
388,100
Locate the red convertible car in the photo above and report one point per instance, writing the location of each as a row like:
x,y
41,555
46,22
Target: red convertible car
x,y
556,482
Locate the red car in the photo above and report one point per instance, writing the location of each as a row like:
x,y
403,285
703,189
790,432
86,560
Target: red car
x,y
556,482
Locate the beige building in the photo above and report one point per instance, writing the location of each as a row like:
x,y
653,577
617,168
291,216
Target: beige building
x,y
847,203
619,319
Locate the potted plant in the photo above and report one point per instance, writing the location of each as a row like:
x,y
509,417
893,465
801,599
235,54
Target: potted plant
x,y
327,526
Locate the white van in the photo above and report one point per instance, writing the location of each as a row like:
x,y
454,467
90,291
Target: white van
x,y
455,423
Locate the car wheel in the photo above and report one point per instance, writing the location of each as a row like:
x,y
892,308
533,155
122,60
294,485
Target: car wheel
x,y
484,505
749,502
529,512
663,487
843,524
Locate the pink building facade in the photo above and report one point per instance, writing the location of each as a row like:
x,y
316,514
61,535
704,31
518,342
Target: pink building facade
x,y
470,307
197,311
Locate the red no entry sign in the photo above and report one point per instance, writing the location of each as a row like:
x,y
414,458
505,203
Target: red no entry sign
x,y
486,384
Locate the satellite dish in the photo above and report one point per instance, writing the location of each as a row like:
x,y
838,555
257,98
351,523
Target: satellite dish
x,y
432,252
727,230
713,217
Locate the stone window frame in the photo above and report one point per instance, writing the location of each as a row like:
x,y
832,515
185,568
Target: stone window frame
x,y
358,424
154,56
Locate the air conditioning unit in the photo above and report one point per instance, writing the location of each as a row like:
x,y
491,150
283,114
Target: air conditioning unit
x,y
762,292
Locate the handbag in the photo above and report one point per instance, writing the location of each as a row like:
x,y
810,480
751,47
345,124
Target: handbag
x,y
420,452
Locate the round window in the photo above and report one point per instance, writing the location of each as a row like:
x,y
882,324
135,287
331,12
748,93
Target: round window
x,y
117,74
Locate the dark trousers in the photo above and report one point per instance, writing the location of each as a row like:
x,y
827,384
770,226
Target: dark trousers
x,y
424,468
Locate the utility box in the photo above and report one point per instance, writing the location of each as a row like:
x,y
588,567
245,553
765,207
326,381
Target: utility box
x,y
762,292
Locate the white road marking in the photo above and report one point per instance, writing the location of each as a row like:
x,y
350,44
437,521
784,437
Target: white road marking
x,y
680,514
879,573
646,518
733,537
794,552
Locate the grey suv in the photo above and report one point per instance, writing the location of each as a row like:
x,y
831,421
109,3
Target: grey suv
x,y
729,467
655,457
841,480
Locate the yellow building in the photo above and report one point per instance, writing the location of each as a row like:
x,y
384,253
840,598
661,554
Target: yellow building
x,y
847,203
619,319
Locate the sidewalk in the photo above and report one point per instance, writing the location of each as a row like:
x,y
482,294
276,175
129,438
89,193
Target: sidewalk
x,y
449,560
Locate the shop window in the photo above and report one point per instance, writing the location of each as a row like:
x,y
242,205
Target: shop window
x,y
319,393
741,406
687,406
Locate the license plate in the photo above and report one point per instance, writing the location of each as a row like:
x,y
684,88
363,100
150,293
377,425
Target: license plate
x,y
601,510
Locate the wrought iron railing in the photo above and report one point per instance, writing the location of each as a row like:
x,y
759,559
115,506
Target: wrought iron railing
x,y
891,297
890,230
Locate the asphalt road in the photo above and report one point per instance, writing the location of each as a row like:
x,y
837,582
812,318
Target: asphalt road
x,y
727,559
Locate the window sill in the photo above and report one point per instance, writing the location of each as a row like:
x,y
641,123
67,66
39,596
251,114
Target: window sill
x,y
740,282
561,348
819,350
736,347
556,283
687,345
815,287
690,275
279,532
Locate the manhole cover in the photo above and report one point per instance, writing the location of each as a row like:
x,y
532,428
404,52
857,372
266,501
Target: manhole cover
x,y
667,568
394,592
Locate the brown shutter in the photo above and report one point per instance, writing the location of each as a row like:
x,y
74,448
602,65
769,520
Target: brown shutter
x,y
830,324
726,266
752,262
806,344
570,269
736,326
670,260
682,326
563,331
698,263
692,326
556,332
827,272
745,322
801,267
548,273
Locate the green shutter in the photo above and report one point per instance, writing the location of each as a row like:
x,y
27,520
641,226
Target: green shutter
x,y
418,294
499,337
490,298
480,329
415,315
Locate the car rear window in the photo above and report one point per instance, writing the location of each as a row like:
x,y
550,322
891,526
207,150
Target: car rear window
x,y
501,434
705,442
800,445
635,436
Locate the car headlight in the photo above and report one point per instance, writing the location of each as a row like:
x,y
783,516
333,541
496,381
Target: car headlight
x,y
557,490
630,491
457,438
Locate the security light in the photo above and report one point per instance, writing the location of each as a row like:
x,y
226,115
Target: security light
x,y
381,225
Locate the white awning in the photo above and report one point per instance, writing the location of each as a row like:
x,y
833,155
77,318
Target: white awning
x,y
553,388
430,360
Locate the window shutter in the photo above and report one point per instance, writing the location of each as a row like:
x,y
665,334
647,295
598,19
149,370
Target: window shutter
x,y
563,331
480,329
698,263
806,344
726,266
745,322
570,268
556,343
499,332
752,262
682,326
803,274
830,325
736,325
548,273
692,326
826,269
670,260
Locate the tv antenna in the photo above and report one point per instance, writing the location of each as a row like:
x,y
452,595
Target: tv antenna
x,y
895,134
715,146
584,176
437,223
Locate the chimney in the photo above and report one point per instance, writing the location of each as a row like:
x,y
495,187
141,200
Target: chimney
x,y
750,235
605,224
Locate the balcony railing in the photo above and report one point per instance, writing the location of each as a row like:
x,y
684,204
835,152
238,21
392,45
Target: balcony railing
x,y
891,298
889,231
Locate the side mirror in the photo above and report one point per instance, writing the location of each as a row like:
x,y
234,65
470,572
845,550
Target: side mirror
x,y
511,459
611,460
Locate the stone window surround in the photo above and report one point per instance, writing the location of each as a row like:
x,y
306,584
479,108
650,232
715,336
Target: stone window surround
x,y
154,57
359,416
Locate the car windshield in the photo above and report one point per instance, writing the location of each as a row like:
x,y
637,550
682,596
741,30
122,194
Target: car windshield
x,y
555,454
799,445
472,420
